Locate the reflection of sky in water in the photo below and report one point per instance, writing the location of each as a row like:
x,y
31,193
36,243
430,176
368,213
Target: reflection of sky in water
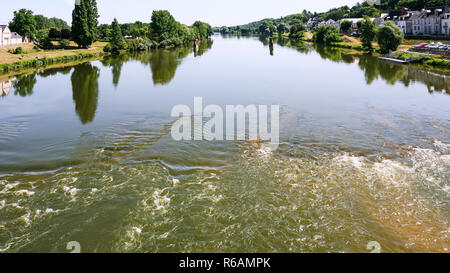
x,y
361,141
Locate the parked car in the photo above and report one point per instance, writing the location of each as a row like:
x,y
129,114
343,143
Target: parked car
x,y
421,45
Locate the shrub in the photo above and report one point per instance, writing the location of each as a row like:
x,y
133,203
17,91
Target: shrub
x,y
389,37
64,43
46,43
297,31
17,50
346,25
327,35
107,48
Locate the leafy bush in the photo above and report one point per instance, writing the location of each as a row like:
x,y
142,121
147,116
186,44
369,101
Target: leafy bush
x,y
140,44
389,37
327,35
346,25
17,50
436,62
64,43
46,43
297,31
107,48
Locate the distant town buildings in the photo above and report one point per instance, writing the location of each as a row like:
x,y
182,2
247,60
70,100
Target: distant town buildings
x,y
426,22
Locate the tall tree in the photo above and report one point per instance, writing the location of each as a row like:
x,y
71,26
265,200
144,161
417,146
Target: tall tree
x,y
24,23
163,25
84,22
117,41
368,32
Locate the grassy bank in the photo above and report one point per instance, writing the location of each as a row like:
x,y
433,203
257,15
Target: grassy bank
x,y
22,65
428,61
35,58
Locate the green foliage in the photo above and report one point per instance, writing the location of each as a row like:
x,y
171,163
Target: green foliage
x,y
267,29
117,42
43,22
282,28
346,26
436,62
368,32
23,23
17,50
163,25
224,30
389,37
412,4
140,44
327,35
297,31
84,23
64,43
46,43
202,30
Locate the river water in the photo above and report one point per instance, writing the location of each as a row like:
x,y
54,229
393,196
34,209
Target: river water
x,y
86,154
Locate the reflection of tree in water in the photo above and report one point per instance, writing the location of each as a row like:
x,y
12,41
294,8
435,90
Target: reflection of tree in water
x,y
373,69
85,91
204,46
24,85
164,63
434,81
332,53
116,62
44,73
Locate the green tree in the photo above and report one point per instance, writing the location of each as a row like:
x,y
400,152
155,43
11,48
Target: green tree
x,y
267,28
327,35
24,23
389,37
282,28
163,25
84,22
203,29
117,42
367,33
297,31
346,25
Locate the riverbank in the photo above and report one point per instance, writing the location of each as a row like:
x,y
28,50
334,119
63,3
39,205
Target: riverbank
x,y
34,58
431,62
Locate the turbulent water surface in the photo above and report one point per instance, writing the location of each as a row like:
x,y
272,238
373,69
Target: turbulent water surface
x,y
86,154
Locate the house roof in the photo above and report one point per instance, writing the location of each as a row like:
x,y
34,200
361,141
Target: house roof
x,y
2,27
15,35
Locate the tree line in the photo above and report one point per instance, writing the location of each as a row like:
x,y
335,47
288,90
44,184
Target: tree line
x,y
162,31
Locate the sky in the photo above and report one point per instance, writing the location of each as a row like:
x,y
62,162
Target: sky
x,y
214,12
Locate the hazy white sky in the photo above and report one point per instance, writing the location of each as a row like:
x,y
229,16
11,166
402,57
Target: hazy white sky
x,y
215,12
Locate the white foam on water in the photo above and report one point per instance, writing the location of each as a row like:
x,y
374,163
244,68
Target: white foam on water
x,y
24,193
137,230
355,161
161,200
70,191
443,147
